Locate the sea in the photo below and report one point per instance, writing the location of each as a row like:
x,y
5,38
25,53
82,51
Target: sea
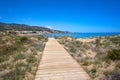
x,y
81,35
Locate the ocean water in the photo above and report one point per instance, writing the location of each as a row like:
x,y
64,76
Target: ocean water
x,y
81,35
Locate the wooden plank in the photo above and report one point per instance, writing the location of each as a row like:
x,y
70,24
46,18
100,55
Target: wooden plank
x,y
57,64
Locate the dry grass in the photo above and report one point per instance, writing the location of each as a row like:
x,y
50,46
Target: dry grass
x,y
99,57
20,55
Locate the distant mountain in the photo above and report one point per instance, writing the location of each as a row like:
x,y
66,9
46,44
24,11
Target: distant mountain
x,y
24,27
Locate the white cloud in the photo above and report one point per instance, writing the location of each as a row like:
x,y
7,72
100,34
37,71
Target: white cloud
x,y
50,27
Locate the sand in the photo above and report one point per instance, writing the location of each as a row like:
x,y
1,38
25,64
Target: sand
x,y
86,39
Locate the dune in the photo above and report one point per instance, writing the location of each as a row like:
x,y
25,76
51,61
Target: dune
x,y
86,39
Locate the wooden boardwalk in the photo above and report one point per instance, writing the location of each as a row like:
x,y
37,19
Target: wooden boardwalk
x,y
57,64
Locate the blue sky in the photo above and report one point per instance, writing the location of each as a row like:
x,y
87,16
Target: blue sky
x,y
69,15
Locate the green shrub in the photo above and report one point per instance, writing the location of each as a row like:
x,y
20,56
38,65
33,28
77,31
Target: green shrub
x,y
85,63
87,70
43,38
106,73
19,56
73,49
4,58
17,74
118,65
93,72
20,64
114,54
97,62
31,59
5,66
8,49
46,38
97,42
24,38
77,43
40,37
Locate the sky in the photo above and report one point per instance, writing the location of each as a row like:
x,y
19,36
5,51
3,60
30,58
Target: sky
x,y
67,15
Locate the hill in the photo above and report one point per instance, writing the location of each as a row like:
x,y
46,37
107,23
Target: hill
x,y
24,27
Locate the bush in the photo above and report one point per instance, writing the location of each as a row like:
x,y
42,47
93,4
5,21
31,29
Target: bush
x,y
85,63
106,73
77,43
114,54
118,65
20,64
97,42
5,66
73,49
24,38
40,37
31,59
93,72
4,58
46,38
19,56
116,75
43,38
87,70
17,74
8,49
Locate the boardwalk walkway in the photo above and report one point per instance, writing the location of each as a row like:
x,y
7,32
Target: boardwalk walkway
x,y
57,64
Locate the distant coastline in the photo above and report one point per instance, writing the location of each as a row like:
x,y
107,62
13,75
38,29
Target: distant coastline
x,y
82,35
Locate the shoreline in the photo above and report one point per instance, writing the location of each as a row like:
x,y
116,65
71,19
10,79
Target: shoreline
x,y
81,35
74,35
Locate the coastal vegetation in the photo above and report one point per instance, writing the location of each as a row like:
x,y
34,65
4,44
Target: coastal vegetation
x,y
20,56
99,56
